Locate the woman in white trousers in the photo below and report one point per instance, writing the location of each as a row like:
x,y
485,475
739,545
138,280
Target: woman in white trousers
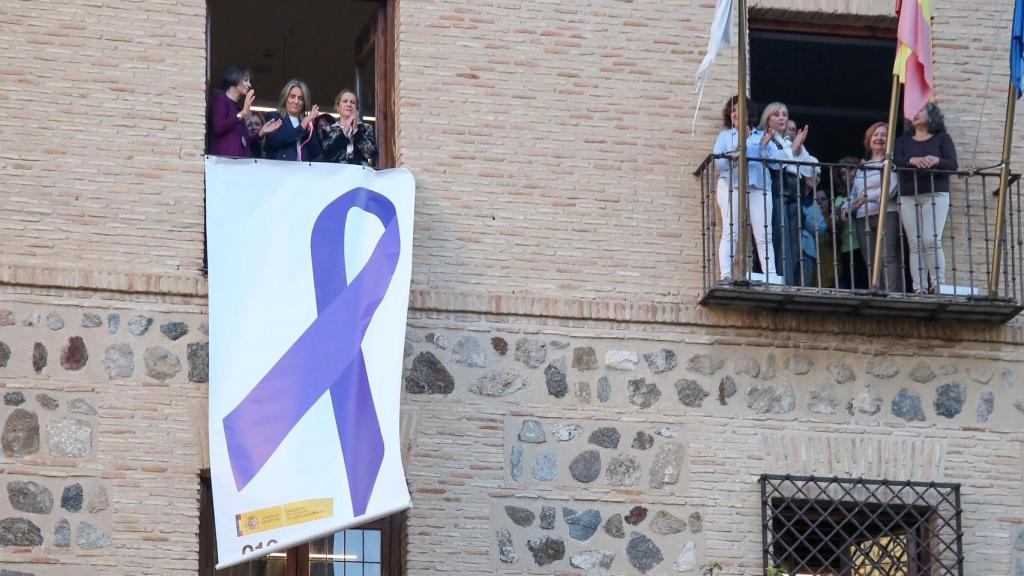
x,y
759,198
928,153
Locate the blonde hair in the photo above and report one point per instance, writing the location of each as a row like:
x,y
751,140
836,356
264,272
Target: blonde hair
x,y
293,83
344,91
768,111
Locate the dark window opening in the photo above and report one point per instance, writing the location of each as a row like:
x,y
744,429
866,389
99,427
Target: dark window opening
x,y
836,82
328,44
856,527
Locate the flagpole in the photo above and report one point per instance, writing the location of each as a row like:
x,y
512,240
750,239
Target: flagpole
x,y
887,173
1004,180
739,258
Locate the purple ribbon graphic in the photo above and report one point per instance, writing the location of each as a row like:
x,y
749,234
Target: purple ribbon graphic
x,y
326,357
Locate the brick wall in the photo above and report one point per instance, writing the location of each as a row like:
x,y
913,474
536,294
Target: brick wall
x,y
553,148
103,108
551,143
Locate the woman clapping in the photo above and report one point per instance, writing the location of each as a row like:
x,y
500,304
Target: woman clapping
x,y
296,137
228,135
349,141
789,182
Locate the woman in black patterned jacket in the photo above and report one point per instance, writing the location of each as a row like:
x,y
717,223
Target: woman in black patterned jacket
x,y
349,141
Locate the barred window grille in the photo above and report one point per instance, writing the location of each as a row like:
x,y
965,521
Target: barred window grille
x,y
856,527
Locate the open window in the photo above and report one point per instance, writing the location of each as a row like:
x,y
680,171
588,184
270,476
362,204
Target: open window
x,y
834,77
328,44
833,72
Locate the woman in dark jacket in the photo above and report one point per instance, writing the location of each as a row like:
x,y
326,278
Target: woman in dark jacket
x,y
928,153
349,141
296,139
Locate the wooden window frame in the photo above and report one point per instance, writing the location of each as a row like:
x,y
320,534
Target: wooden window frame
x,y
392,538
384,65
816,23
382,30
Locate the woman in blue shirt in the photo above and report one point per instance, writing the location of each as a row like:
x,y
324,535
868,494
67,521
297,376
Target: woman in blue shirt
x,y
759,184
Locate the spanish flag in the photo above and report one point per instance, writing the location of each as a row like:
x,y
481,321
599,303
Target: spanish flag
x,y
914,54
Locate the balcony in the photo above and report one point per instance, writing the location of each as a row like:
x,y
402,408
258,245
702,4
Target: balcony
x,y
815,262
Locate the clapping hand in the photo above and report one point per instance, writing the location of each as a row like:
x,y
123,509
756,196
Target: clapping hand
x,y
270,127
250,97
313,113
767,136
798,140
348,126
844,213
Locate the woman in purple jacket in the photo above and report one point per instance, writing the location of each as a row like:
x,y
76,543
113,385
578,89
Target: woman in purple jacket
x,y
227,132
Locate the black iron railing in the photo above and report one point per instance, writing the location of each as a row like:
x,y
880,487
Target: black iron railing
x,y
853,527
822,219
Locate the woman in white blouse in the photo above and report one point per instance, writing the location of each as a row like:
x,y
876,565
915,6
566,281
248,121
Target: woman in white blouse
x,y
789,181
865,200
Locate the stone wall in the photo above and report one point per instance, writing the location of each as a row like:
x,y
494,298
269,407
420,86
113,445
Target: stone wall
x,y
103,412
544,449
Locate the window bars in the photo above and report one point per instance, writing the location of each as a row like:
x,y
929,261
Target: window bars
x,y
857,527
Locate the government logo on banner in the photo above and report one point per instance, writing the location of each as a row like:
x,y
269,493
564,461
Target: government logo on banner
x,y
309,270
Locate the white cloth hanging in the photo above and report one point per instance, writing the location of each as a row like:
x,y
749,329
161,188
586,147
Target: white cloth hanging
x,y
721,36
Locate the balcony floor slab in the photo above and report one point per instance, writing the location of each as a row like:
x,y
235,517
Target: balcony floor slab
x,y
863,303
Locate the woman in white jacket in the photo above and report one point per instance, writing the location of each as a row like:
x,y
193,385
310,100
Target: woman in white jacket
x,y
865,198
789,182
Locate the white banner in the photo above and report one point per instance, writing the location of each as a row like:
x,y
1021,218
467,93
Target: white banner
x,y
309,289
